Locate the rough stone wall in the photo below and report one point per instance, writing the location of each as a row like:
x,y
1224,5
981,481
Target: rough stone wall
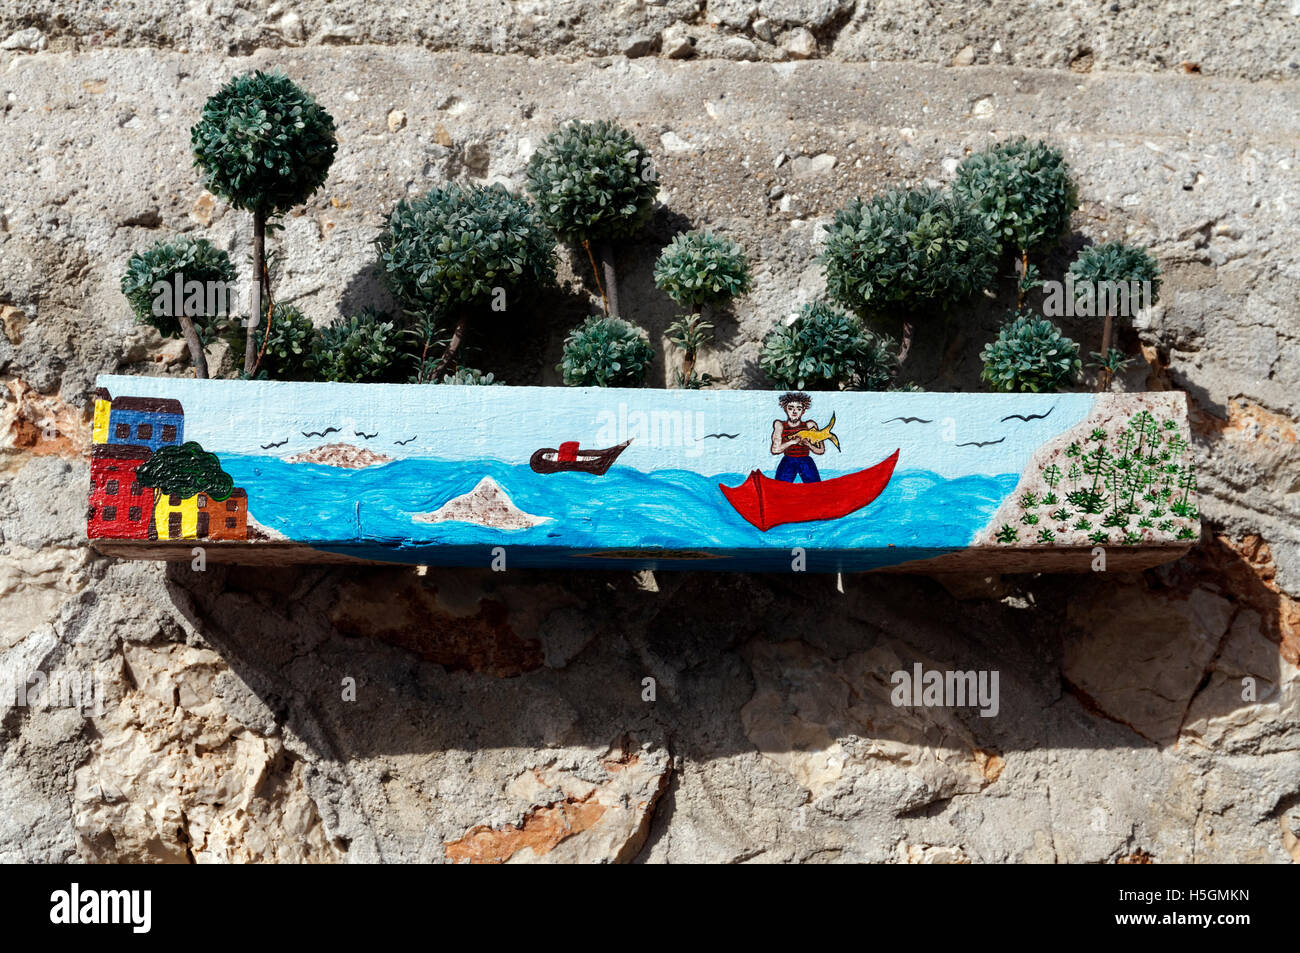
x,y
500,716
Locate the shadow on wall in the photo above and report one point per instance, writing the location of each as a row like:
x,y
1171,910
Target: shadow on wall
x,y
787,665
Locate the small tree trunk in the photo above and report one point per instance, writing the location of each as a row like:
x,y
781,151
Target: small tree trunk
x,y
907,340
197,356
449,358
611,280
1107,330
255,319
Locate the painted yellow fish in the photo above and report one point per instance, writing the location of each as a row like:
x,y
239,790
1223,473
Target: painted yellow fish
x,y
822,435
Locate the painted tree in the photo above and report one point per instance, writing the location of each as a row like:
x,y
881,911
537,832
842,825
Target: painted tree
x,y
264,145
184,471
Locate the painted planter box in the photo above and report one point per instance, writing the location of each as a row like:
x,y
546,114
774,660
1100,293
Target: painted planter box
x,y
612,478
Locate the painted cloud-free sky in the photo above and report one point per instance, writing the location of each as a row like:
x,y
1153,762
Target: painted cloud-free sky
x,y
950,435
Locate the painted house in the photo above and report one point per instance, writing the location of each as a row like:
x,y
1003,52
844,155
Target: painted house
x,y
201,517
223,519
120,507
144,422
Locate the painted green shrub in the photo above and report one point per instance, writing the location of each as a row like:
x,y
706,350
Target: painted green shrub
x,y
605,352
825,347
1030,354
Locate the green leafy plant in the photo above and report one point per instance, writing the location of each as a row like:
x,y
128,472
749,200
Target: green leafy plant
x,y
1030,354
594,183
286,349
184,471
826,347
605,351
698,269
469,375
908,252
458,251
155,282
264,145
1109,273
358,349
1024,193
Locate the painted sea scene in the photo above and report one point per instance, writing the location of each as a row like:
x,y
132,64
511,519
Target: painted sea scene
x,y
443,474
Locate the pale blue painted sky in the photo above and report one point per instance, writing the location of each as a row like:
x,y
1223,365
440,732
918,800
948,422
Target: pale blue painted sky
x,y
669,427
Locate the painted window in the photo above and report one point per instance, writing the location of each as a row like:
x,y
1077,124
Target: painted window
x,y
137,489
123,431
110,488
133,514
169,433
174,500
144,431
230,522
110,514
232,506
203,500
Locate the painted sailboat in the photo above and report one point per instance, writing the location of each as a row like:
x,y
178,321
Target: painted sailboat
x,y
568,457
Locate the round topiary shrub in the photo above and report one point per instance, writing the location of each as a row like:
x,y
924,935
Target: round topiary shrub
x,y
593,182
356,350
698,268
1105,278
264,145
605,352
157,299
1030,354
909,251
1022,190
448,250
825,347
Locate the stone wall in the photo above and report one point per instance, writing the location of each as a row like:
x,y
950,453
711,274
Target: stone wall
x,y
501,716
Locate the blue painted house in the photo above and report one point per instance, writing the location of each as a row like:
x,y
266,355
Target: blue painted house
x,y
146,422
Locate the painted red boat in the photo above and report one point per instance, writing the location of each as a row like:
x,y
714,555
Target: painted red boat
x,y
766,502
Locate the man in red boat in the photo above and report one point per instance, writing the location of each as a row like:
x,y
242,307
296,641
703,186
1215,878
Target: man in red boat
x,y
795,460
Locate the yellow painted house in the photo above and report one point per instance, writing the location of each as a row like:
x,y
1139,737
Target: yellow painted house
x,y
103,407
176,518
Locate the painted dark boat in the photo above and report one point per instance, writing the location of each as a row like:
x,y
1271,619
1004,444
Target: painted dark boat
x,y
765,502
569,458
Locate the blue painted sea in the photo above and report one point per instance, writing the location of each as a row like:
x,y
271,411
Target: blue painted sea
x,y
919,514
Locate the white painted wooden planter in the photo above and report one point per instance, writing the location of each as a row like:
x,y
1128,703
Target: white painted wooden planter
x,y
516,477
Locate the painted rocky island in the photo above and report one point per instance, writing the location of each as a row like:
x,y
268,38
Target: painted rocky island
x,y
612,478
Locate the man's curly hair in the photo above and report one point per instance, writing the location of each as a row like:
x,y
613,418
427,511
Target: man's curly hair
x,y
789,397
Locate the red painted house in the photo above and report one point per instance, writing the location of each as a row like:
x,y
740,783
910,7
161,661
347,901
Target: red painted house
x,y
120,508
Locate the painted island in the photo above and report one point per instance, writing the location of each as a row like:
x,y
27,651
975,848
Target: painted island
x,y
518,477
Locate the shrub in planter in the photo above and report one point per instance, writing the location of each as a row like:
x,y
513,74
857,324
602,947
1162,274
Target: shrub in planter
x,y
605,352
288,344
594,183
825,347
154,285
1109,274
698,269
356,350
264,145
909,251
459,250
1022,190
1030,354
